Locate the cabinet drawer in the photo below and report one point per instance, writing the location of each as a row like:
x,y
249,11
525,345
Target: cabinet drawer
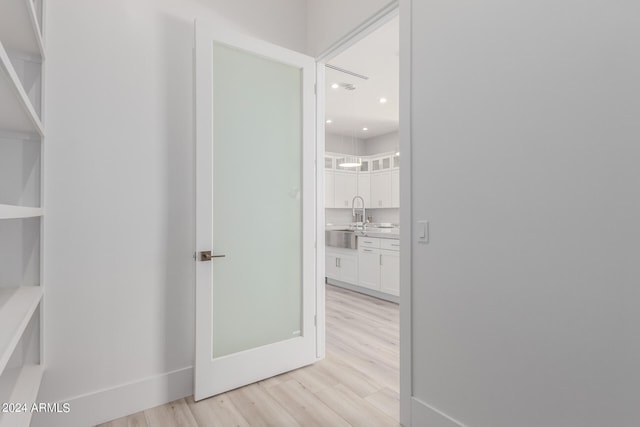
x,y
368,242
390,244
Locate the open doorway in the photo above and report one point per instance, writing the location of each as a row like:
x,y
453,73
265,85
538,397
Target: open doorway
x,y
362,212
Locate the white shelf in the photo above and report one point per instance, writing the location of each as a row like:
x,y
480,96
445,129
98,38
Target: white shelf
x,y
16,112
16,309
19,28
11,212
25,391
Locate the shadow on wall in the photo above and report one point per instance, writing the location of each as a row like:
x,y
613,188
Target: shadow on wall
x,y
176,60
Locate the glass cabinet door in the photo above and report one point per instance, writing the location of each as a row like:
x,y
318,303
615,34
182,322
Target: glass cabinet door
x,y
328,162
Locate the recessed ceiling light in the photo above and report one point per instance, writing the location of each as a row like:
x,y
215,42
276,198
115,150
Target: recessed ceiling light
x,y
329,121
335,86
383,100
365,129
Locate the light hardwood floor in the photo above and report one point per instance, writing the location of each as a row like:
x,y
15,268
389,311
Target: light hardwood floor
x,y
355,385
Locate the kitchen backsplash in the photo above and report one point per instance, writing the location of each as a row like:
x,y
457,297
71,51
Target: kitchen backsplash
x,y
343,216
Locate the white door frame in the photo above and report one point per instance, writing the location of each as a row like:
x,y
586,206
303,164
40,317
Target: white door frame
x,y
384,15
254,364
406,233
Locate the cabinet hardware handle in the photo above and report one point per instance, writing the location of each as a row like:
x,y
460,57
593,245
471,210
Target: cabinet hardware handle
x,y
367,250
339,263
380,259
207,256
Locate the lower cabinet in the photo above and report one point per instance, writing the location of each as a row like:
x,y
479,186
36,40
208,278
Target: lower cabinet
x,y
369,268
379,265
342,265
390,272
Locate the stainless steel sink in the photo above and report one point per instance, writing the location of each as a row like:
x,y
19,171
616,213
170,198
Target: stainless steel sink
x,y
341,239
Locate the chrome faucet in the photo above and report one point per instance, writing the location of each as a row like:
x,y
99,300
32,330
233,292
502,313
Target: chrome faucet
x,y
353,211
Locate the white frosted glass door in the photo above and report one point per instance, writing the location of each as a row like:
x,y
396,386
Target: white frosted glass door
x,y
257,212
255,147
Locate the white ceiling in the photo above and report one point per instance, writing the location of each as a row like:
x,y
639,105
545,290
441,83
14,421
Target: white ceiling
x,y
375,56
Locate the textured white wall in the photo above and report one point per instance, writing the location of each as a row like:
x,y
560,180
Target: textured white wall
x,y
525,161
119,183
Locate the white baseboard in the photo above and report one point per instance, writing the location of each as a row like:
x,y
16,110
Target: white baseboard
x,y
423,415
363,290
105,405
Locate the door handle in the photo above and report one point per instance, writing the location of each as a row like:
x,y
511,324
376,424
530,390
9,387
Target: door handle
x,y
206,256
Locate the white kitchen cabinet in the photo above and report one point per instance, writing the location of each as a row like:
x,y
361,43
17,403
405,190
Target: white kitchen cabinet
x,y
382,163
379,264
331,269
377,180
395,188
346,188
390,271
341,264
381,189
364,188
369,267
329,194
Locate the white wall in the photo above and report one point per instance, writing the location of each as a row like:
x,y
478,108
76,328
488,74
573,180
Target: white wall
x,y
119,194
382,143
334,143
330,20
525,161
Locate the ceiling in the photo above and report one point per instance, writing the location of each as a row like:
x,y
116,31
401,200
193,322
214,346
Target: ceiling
x,y
375,56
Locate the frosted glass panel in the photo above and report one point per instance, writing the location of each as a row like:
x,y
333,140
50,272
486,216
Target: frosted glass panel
x,y
257,212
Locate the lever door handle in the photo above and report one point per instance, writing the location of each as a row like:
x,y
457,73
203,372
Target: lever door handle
x,y
206,256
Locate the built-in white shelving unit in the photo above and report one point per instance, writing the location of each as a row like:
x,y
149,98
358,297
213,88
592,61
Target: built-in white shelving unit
x,y
25,390
13,212
22,53
17,114
20,27
17,306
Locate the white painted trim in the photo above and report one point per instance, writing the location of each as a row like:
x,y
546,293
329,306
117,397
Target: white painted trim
x,y
378,19
320,220
116,402
426,415
406,234
43,189
363,290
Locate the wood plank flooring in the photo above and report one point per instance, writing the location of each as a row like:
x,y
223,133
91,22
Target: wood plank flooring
x,y
355,385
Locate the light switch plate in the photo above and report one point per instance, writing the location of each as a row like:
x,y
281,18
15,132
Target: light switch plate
x,y
423,231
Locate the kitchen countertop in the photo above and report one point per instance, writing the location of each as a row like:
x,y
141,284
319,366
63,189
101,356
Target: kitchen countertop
x,y
371,231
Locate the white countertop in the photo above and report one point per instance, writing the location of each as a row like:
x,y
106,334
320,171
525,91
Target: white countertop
x,y
371,231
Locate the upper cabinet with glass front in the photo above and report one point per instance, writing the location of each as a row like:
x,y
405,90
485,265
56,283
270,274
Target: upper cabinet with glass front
x,y
375,179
